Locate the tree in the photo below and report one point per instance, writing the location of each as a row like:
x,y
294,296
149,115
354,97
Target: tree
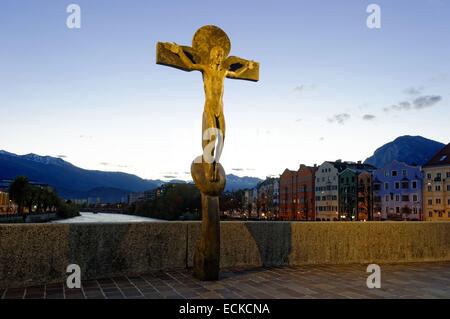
x,y
19,192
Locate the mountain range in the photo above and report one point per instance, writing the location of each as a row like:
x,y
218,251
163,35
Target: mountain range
x,y
74,182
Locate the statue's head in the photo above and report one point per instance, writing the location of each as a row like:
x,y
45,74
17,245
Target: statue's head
x,y
216,56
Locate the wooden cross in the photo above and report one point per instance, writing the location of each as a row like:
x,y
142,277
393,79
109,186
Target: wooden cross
x,y
209,55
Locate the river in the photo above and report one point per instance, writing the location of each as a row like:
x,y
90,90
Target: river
x,y
106,218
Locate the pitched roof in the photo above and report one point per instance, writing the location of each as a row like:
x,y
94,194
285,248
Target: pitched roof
x,y
440,158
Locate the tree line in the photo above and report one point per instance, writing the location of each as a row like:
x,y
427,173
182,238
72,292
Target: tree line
x,y
181,201
38,199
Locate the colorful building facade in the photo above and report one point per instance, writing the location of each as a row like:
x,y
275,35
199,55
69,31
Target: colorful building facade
x,y
436,190
268,196
355,194
297,194
327,190
397,191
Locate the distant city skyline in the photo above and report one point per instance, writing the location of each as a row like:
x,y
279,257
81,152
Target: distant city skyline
x,y
330,88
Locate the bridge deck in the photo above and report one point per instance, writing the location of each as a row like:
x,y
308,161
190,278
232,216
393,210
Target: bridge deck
x,y
415,280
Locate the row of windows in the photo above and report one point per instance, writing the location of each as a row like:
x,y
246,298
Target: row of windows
x,y
328,197
346,180
395,173
318,179
326,208
403,185
404,198
301,200
438,175
438,201
326,188
437,188
439,214
399,210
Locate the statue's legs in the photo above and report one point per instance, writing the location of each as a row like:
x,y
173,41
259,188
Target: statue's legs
x,y
207,252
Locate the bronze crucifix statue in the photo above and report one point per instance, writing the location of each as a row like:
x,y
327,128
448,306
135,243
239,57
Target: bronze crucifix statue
x,y
209,55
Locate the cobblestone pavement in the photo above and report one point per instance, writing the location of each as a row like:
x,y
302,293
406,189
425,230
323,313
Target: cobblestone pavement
x,y
415,280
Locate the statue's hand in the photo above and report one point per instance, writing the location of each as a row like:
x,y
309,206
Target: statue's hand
x,y
173,47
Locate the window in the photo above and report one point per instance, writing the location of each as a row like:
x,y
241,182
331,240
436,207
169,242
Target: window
x,y
386,173
438,175
415,198
394,173
430,214
448,174
397,198
387,198
429,176
397,185
405,185
448,188
438,188
448,201
386,185
405,198
414,184
429,188
430,202
404,173
440,214
438,201
397,210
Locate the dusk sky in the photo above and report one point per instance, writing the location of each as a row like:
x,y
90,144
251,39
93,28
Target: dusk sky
x,y
330,88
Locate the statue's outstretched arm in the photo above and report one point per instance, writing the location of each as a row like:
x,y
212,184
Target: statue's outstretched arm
x,y
175,48
248,66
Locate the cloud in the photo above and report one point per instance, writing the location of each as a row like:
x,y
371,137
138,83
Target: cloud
x,y
368,117
61,156
304,87
414,90
298,120
250,169
321,139
169,176
426,101
339,118
418,103
111,164
237,169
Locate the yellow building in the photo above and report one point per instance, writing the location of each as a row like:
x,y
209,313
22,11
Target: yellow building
x,y
5,204
436,187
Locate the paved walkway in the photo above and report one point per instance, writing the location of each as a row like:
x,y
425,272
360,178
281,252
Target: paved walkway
x,y
416,280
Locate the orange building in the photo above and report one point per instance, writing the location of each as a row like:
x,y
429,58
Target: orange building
x,y
297,194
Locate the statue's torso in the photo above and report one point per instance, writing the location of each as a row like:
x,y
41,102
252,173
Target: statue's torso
x,y
213,81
